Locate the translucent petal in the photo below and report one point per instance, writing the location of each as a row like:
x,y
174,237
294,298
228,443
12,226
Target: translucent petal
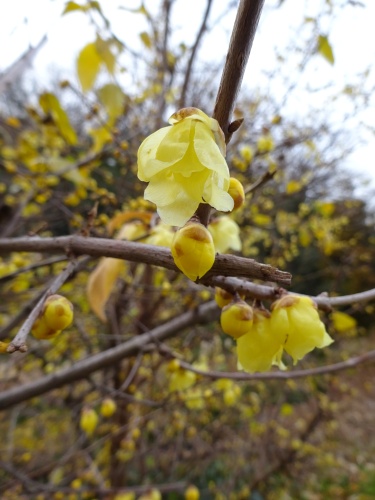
x,y
147,166
219,199
178,212
175,144
208,151
257,349
162,191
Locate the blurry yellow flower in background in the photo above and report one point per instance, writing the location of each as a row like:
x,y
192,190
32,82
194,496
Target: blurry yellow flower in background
x,y
225,233
185,166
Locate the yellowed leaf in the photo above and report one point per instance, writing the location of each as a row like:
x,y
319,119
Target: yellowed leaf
x,y
101,136
113,99
101,282
121,218
325,49
145,37
72,6
50,104
88,66
103,49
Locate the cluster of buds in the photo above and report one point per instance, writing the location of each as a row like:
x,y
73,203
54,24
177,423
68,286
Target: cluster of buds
x,y
293,326
56,315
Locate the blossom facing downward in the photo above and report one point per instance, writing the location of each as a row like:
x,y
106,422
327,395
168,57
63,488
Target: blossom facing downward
x,y
236,318
193,250
184,165
297,320
259,348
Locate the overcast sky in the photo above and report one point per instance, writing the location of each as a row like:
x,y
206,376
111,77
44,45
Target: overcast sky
x,y
25,22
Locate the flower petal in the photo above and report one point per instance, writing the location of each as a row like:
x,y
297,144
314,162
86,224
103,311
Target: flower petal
x,y
147,166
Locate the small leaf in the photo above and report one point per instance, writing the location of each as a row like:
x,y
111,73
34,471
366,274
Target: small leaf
x,y
101,283
145,37
103,49
325,49
88,66
71,6
50,104
113,99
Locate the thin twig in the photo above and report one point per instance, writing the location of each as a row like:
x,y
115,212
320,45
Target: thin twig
x,y
284,375
30,267
194,50
19,341
205,313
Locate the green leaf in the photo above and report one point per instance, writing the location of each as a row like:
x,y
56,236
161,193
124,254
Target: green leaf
x,y
50,104
88,66
113,99
325,49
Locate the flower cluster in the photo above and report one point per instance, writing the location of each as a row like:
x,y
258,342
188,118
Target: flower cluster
x,y
293,326
185,166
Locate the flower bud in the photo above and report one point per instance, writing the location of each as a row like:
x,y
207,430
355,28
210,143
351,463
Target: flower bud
x,y
41,330
89,420
58,312
236,318
237,192
193,250
108,408
192,493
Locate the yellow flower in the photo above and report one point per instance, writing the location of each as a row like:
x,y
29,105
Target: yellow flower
x,y
225,233
185,166
193,250
259,348
297,319
236,318
237,192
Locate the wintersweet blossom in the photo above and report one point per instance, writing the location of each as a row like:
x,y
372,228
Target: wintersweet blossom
x,y
184,165
259,348
225,233
297,319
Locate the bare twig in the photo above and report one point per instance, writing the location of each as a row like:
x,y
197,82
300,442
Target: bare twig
x,y
285,375
205,313
260,182
225,264
30,267
194,50
19,341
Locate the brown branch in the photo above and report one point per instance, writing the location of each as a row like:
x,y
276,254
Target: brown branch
x,y
19,341
321,370
260,182
225,264
205,313
189,66
241,42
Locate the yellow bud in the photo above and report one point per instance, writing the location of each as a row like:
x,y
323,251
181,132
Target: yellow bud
x,y
3,347
108,407
223,298
58,312
237,192
236,318
192,493
41,330
89,420
193,250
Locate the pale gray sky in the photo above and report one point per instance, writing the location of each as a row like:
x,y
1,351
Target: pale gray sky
x,y
25,22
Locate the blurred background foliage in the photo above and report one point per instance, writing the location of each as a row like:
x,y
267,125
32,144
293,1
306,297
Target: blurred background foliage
x,y
73,147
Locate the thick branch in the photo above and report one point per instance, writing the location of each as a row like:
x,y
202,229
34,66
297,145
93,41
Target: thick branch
x,y
225,264
241,42
205,313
